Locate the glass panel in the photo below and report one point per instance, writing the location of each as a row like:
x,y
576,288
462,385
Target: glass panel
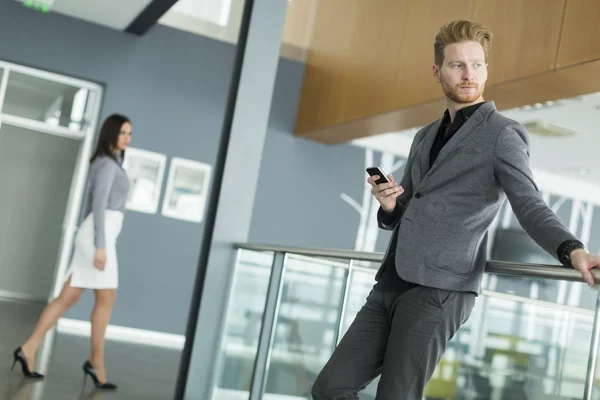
x,y
243,324
54,103
515,347
512,347
361,283
306,324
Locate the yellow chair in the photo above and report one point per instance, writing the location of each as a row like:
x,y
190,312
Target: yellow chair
x,y
443,383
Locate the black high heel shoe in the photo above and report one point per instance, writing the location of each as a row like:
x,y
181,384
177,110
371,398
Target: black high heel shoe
x,y
88,369
20,357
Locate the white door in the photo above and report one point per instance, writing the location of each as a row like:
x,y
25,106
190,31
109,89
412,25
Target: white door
x,y
47,126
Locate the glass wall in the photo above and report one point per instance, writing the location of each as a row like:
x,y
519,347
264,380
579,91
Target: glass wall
x,y
513,347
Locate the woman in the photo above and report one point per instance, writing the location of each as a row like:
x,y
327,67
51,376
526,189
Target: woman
x,y
94,262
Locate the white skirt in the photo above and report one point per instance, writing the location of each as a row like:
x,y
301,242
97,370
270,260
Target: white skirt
x,y
82,272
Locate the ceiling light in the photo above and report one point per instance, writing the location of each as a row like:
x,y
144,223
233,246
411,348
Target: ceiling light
x,y
541,128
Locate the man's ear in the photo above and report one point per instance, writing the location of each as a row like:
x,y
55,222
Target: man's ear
x,y
436,74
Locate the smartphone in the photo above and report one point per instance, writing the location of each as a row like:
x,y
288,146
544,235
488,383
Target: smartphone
x,y
377,171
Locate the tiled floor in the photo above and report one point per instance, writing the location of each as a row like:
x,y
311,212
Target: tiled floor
x,y
142,372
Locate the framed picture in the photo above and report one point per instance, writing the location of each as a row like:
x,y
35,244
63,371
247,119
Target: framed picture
x,y
187,188
145,170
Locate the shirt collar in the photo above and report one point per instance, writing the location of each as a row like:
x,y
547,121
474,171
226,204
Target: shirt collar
x,y
463,113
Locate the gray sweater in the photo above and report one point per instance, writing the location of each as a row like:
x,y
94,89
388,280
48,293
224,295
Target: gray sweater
x,y
107,189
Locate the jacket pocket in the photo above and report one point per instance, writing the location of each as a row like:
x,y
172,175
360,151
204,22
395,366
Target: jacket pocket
x,y
452,248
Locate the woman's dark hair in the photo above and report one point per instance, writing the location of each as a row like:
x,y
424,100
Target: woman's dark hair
x,y
109,136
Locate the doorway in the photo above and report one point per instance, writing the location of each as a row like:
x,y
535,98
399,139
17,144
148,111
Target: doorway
x,y
47,128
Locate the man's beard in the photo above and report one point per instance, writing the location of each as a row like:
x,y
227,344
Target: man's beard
x,y
458,96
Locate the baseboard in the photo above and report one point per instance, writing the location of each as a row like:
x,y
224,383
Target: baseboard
x,y
7,295
123,334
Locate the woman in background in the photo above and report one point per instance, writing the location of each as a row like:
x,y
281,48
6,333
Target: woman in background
x,y
94,262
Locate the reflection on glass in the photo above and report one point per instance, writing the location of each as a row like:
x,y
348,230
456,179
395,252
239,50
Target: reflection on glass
x,y
54,103
516,347
243,324
306,324
362,279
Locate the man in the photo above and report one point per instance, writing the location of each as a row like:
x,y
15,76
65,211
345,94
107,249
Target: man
x,y
458,171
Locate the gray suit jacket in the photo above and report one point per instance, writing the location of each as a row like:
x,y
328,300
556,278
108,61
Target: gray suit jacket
x,y
445,212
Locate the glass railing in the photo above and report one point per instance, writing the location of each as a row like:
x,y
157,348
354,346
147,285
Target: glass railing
x,y
289,307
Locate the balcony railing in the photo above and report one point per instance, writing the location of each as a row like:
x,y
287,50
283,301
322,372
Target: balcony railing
x,y
533,334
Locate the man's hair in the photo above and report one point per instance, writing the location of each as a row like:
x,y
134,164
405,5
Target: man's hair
x,y
461,31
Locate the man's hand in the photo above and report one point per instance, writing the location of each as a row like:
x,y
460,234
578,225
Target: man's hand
x,y
100,259
583,262
385,193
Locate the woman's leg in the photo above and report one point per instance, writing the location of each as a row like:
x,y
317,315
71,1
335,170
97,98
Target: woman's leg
x,y
105,300
53,311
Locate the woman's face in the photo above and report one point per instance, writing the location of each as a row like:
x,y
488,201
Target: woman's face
x,y
124,137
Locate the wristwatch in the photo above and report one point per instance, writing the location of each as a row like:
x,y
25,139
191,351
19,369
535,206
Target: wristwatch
x,y
565,249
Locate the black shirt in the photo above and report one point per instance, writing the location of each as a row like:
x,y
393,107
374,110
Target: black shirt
x,y
389,280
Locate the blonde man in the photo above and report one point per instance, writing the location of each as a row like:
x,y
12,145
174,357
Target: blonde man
x,y
458,172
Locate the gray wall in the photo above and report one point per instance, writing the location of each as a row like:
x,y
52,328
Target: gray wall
x,y
173,85
298,198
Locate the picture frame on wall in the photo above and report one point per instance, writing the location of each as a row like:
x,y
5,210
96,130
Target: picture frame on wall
x,y
145,170
187,190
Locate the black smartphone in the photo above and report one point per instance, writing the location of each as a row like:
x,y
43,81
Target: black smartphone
x,y
377,171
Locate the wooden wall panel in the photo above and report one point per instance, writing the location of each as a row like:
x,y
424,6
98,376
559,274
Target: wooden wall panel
x,y
580,40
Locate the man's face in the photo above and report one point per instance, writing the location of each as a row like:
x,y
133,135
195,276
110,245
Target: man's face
x,y
463,72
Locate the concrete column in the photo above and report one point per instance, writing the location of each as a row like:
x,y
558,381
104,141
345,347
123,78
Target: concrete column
x,y
229,211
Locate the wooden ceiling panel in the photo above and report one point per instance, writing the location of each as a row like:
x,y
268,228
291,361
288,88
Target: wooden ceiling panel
x,y
526,36
298,23
371,56
369,62
580,40
554,85
321,98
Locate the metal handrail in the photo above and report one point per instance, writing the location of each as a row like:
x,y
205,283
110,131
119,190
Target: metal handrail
x,y
527,270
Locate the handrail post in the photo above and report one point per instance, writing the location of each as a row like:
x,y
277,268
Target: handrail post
x,y
591,369
267,331
345,291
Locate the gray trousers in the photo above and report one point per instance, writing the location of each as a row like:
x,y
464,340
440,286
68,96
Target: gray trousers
x,y
401,336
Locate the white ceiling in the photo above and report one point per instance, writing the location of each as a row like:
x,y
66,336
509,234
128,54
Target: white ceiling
x,y
217,19
115,14
213,11
572,161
